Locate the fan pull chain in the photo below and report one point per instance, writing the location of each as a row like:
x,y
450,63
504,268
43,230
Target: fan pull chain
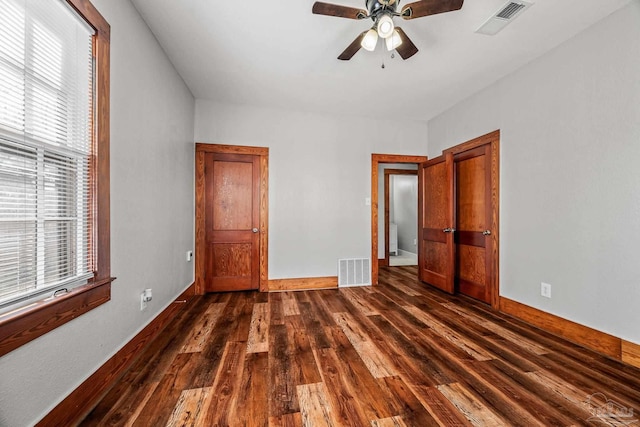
x,y
393,55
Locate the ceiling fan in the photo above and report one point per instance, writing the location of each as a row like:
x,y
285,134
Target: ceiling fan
x,y
382,13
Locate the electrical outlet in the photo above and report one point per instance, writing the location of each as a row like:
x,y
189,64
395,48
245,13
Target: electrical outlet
x,y
143,301
415,241
189,256
145,297
545,289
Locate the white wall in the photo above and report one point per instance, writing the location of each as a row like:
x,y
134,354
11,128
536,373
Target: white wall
x,y
152,217
319,177
381,204
570,183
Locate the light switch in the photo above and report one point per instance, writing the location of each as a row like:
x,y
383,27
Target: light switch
x,y
367,201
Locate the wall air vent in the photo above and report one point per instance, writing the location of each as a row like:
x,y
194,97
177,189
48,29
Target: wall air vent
x,y
503,17
510,10
354,272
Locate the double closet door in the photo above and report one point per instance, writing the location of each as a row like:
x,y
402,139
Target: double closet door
x,y
457,211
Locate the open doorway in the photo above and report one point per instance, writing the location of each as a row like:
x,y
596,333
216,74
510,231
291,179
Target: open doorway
x,y
377,199
400,238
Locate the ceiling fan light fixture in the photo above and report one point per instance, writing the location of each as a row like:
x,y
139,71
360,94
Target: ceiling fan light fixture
x,y
370,40
385,26
394,40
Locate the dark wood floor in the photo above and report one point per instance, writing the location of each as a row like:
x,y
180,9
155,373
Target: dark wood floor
x,y
399,354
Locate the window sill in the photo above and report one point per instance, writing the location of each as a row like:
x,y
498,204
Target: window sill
x,y
28,323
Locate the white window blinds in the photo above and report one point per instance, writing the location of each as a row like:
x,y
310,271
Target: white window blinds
x,y
46,95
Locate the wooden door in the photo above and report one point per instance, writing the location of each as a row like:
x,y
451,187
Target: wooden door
x,y
473,218
232,221
435,214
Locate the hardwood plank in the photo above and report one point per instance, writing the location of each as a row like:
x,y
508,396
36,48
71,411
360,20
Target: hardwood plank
x,y
516,339
313,327
346,409
303,366
314,406
417,367
249,408
258,340
133,413
355,297
233,325
283,397
225,389
545,415
458,340
412,411
202,330
241,317
188,409
376,361
540,391
439,406
374,398
389,422
177,379
276,313
559,387
289,304
472,407
287,420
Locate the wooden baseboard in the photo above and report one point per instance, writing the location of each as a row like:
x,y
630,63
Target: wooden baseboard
x,y
83,399
382,262
631,353
187,294
303,284
580,334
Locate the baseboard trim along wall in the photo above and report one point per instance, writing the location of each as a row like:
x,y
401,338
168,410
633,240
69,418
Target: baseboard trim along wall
x,y
593,339
631,353
303,284
83,399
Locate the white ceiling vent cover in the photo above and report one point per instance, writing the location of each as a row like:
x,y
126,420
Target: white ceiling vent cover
x,y
507,13
354,272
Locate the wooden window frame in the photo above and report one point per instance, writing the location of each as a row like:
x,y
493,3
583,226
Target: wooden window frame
x,y
25,324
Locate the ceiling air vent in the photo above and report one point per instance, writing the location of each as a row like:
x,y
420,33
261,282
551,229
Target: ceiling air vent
x,y
503,17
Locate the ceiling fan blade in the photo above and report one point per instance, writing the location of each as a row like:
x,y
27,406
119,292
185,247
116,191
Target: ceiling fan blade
x,y
429,7
353,48
320,8
407,49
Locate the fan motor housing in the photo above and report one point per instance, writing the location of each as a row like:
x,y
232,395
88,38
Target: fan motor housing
x,y
375,7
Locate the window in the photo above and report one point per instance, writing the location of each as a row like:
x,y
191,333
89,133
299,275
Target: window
x,y
54,165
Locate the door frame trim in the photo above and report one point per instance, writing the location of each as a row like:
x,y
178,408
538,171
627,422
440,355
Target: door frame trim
x,y
388,172
263,152
376,159
493,140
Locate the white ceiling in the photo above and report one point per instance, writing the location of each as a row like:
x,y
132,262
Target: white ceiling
x,y
278,54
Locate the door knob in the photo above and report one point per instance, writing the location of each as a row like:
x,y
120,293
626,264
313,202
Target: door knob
x,y
487,232
448,230
255,230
